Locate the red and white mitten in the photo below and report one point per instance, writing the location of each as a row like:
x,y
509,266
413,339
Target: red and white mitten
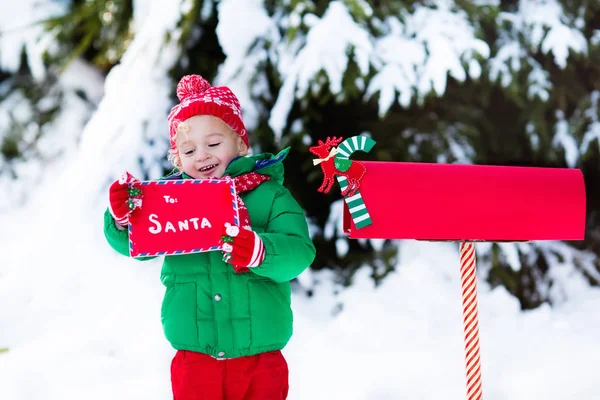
x,y
123,199
242,248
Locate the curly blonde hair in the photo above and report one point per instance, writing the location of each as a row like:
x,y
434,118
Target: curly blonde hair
x,y
183,128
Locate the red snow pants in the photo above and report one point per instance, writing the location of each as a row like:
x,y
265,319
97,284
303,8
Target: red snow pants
x,y
197,376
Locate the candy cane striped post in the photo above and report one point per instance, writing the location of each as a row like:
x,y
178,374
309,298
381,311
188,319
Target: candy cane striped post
x,y
356,204
468,280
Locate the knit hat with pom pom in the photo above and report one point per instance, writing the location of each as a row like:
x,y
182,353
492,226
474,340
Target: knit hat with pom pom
x,y
198,97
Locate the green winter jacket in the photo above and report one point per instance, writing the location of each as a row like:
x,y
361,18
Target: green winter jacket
x,y
210,309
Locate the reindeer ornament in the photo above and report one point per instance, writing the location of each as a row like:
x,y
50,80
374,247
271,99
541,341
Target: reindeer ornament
x,y
352,171
334,161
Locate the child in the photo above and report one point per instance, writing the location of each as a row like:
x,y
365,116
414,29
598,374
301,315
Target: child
x,y
228,314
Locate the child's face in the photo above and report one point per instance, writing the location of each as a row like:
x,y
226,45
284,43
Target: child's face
x,y
208,148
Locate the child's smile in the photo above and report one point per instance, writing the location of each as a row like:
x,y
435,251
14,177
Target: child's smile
x,y
208,169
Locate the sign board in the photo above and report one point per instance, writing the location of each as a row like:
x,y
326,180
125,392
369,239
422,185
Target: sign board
x,y
181,216
470,202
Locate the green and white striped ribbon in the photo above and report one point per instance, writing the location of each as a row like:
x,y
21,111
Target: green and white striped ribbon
x,y
354,143
356,205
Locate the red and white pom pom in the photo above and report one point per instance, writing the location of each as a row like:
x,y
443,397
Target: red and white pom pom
x,y
191,85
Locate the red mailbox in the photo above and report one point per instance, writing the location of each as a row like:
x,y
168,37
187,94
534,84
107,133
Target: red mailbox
x,y
470,202
452,202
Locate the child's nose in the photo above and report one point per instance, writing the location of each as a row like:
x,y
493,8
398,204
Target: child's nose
x,y
202,155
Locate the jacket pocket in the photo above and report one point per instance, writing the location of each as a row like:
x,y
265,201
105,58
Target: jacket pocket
x,y
270,312
178,314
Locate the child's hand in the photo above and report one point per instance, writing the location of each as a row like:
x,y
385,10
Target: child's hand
x,y
242,248
123,199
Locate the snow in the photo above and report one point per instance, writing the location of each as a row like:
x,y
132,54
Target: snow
x,y
511,252
539,83
544,29
539,25
237,39
559,38
416,57
43,146
20,29
412,59
401,58
132,113
506,59
448,37
593,131
595,39
317,54
81,321
564,140
534,138
460,148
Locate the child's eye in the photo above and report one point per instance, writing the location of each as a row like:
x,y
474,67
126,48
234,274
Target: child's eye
x,y
214,144
188,152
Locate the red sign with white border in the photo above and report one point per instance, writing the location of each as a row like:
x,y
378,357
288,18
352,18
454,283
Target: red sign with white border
x,y
181,216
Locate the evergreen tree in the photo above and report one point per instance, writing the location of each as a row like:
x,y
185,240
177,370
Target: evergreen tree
x,y
486,82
